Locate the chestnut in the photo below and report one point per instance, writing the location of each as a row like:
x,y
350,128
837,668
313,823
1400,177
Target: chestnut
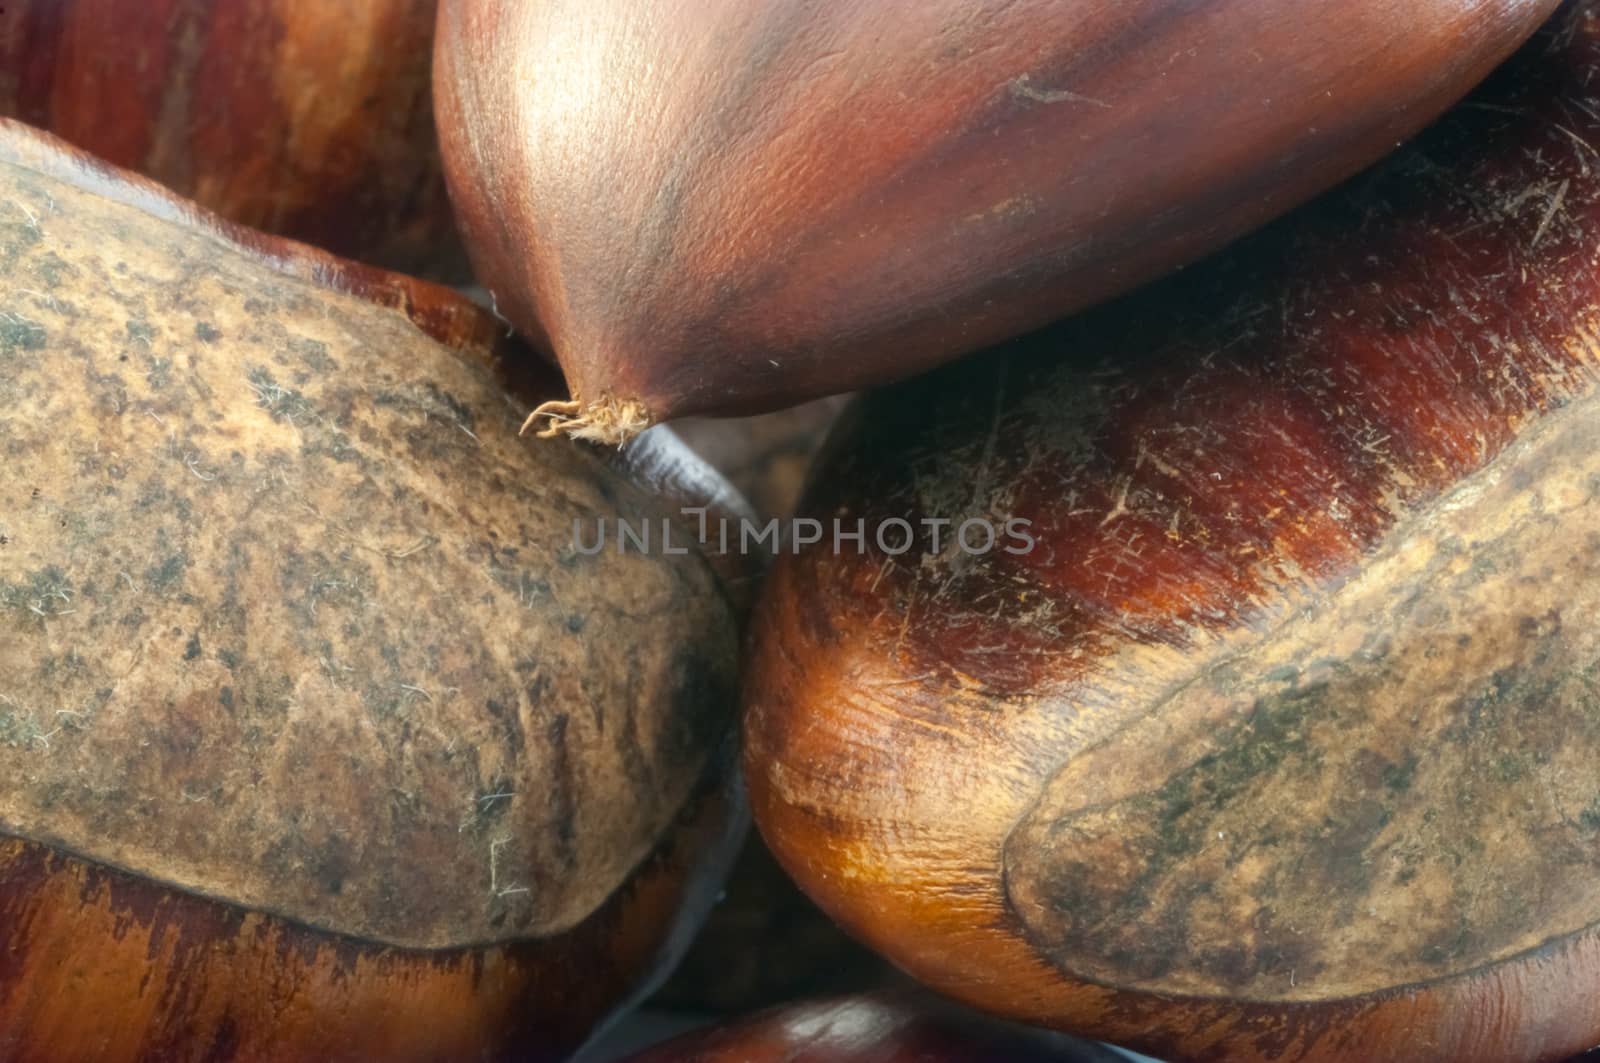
x,y
318,736
723,207
878,1028
1246,709
313,120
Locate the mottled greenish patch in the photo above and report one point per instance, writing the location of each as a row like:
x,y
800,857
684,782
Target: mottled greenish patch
x,y
18,333
1398,778
1274,731
157,372
165,574
43,592
314,355
430,400
21,728
1590,816
285,404
51,269
19,234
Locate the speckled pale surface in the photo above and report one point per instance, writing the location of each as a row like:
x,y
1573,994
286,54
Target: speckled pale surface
x,y
292,619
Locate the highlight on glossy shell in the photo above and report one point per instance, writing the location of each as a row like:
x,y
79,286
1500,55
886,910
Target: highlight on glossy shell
x,y
724,207
318,733
311,120
1278,742
901,1027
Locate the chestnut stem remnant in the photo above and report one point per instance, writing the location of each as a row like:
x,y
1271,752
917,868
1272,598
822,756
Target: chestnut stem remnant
x,y
607,421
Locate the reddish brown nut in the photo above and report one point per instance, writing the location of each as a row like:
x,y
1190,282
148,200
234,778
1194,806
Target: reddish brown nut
x,y
309,119
726,207
318,737
1279,741
884,1028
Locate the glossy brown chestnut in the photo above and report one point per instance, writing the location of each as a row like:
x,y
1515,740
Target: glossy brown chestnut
x,y
310,119
1279,742
318,737
887,1028
727,207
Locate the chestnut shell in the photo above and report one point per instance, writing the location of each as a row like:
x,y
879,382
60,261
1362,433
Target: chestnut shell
x,y
725,207
301,744
309,120
1278,742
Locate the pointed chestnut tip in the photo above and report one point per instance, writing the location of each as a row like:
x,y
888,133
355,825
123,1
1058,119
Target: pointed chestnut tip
x,y
608,420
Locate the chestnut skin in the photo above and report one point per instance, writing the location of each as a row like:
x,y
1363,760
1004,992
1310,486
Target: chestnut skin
x,y
878,1028
1278,742
318,739
724,207
310,120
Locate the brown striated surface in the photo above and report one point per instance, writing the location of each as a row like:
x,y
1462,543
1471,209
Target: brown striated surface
x,y
882,1028
1278,744
722,207
298,658
310,118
